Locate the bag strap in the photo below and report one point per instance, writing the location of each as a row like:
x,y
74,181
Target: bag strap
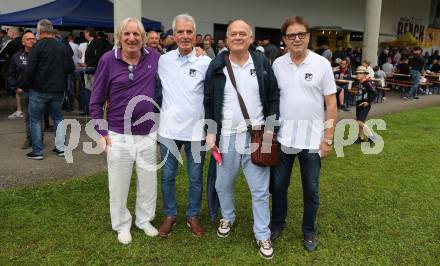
x,y
240,99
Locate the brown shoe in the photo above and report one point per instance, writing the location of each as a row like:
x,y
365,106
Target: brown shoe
x,y
196,228
167,226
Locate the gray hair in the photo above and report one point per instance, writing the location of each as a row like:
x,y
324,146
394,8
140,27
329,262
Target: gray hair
x,y
124,24
242,20
45,26
185,17
15,31
151,32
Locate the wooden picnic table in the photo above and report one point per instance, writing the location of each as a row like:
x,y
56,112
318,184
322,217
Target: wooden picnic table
x,y
432,76
434,81
400,75
344,81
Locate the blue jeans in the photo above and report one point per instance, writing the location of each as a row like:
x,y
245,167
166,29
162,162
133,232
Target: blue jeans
x,y
415,79
38,101
310,165
233,149
168,149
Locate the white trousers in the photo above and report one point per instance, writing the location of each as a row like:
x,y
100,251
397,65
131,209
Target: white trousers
x,y
124,151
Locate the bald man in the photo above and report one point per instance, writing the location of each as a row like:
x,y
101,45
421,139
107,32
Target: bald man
x,y
18,83
257,85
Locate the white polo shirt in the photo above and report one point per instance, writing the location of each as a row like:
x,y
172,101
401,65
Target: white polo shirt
x,y
182,114
302,90
247,84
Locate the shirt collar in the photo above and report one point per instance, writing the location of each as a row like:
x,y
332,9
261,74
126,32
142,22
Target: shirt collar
x,y
248,62
118,53
191,57
306,61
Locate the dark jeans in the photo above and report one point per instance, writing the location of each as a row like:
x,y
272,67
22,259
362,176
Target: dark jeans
x,y
85,99
24,101
169,172
211,193
84,94
310,165
75,81
70,91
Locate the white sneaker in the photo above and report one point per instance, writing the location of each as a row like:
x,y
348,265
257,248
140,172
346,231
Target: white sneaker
x,y
266,250
224,228
12,115
124,237
149,229
16,114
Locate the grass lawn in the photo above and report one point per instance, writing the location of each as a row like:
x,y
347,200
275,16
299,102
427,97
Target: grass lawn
x,y
375,209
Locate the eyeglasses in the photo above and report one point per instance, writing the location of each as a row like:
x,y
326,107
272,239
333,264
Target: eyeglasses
x,y
292,36
130,72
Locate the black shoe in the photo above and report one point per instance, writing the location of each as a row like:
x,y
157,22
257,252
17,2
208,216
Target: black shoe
x,y
83,114
416,97
58,152
34,156
275,233
310,242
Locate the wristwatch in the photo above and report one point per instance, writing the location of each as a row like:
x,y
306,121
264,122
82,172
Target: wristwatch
x,y
328,141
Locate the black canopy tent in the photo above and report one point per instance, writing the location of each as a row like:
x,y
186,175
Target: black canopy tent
x,y
71,14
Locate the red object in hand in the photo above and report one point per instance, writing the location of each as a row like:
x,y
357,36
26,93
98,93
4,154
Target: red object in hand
x,y
217,156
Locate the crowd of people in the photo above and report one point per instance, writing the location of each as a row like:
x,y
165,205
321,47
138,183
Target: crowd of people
x,y
165,42
345,61
404,61
192,79
15,49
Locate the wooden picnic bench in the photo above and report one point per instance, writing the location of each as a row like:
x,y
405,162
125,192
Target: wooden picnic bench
x,y
401,81
434,81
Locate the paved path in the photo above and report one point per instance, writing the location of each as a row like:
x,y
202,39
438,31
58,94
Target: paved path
x,y
17,170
